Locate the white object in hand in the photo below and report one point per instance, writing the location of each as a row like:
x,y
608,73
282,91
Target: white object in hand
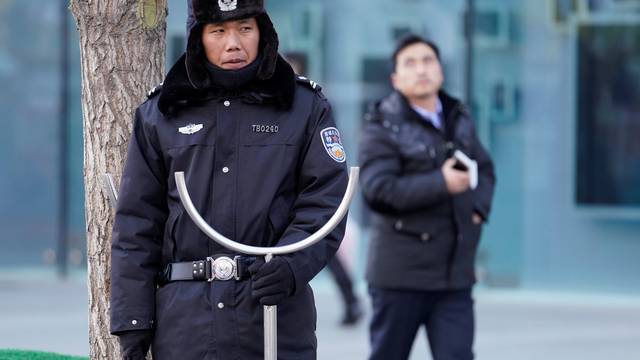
x,y
471,165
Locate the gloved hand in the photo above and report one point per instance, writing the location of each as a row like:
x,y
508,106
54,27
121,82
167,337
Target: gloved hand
x,y
271,282
134,344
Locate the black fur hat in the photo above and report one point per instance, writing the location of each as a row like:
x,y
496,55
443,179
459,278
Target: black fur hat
x,y
216,11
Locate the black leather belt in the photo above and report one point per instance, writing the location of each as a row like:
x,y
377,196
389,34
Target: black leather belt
x,y
220,267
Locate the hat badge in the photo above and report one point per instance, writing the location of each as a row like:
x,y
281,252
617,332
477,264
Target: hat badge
x,y
228,5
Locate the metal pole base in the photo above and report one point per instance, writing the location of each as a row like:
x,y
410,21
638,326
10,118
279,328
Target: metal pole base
x,y
270,327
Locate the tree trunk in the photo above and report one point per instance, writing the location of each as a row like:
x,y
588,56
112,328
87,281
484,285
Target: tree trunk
x,y
122,45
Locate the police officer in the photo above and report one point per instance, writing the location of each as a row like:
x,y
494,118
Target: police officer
x,y
264,164
426,221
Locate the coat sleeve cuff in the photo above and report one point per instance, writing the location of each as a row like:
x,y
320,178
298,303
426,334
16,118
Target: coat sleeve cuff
x,y
482,211
128,322
433,188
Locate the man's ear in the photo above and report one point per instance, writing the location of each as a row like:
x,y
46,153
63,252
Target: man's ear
x,y
392,79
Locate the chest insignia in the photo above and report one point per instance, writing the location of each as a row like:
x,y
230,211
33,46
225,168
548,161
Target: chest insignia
x,y
190,129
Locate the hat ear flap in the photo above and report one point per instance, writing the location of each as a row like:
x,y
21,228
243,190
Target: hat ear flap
x,y
269,44
195,59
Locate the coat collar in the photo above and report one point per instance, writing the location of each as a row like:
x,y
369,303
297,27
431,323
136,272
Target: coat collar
x,y
178,92
397,104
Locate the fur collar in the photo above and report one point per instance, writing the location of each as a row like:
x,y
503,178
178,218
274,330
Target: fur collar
x,y
178,92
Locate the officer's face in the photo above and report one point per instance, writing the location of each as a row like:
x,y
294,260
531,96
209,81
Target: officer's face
x,y
418,73
233,44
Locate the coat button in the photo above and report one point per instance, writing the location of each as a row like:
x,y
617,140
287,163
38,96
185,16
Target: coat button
x,y
225,169
220,305
425,237
227,103
398,225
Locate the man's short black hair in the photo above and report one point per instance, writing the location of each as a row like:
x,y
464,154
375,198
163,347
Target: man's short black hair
x,y
408,40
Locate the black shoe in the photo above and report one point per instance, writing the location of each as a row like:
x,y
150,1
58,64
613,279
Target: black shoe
x,y
352,314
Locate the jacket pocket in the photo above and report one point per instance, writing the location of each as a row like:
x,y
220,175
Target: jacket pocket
x,y
422,229
272,159
266,139
169,241
277,220
418,156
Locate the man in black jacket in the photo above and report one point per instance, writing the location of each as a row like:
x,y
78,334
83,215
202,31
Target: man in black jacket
x,y
264,165
426,220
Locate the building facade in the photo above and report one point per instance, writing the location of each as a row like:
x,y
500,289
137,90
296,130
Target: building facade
x,y
553,86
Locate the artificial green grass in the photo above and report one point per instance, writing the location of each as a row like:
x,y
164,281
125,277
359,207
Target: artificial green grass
x,y
32,355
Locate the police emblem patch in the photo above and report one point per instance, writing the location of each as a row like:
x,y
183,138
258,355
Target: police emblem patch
x,y
190,129
227,5
333,144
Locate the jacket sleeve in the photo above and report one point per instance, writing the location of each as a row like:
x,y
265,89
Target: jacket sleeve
x,y
483,194
322,182
137,233
386,188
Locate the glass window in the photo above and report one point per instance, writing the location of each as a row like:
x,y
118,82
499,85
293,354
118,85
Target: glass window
x,y
31,99
608,121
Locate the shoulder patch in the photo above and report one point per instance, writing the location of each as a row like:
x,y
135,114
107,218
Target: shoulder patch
x,y
155,91
310,83
333,144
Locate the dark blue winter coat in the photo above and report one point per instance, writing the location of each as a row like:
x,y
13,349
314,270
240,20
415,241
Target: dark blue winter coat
x,y
263,166
422,237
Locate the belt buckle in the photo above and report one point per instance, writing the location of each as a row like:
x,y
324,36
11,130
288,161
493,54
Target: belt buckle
x,y
223,268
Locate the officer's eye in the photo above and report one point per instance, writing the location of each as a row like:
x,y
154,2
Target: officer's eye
x,y
246,28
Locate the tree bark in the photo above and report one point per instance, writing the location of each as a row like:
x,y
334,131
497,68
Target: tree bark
x,y
122,46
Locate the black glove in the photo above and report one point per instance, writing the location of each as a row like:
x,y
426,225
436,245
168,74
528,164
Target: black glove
x,y
272,281
134,344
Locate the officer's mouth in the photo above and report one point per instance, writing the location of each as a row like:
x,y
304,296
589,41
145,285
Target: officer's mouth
x,y
234,64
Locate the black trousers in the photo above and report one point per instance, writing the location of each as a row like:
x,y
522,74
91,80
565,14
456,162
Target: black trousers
x,y
398,314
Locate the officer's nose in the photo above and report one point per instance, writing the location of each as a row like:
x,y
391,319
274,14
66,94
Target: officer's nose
x,y
233,42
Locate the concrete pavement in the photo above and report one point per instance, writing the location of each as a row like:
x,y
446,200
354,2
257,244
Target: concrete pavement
x,y
43,313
